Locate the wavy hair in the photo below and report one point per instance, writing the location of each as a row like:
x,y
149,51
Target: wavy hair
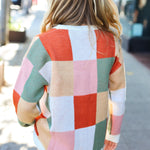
x,y
101,13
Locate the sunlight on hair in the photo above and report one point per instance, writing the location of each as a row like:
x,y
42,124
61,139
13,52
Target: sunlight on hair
x,y
101,13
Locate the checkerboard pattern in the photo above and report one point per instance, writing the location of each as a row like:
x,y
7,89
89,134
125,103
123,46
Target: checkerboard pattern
x,y
69,73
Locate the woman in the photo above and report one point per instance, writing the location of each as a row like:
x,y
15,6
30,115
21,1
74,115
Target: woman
x,y
67,75
140,11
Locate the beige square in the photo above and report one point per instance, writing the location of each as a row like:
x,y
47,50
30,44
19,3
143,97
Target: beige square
x,y
44,132
26,111
117,80
62,79
102,106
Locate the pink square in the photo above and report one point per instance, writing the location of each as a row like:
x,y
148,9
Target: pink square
x,y
62,141
85,77
116,124
24,74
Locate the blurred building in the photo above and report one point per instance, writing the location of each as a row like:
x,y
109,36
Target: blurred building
x,y
16,2
4,16
5,9
135,19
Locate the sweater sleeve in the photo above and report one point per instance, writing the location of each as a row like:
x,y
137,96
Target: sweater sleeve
x,y
117,93
31,83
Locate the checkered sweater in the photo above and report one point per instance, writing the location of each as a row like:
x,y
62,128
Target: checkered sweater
x,y
73,76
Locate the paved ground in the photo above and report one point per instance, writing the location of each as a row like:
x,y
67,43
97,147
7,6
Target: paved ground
x,y
135,131
144,58
12,135
136,125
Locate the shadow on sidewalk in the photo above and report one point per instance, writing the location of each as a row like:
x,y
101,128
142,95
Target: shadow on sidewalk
x,y
144,58
15,146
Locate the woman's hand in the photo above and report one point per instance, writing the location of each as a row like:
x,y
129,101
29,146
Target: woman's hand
x,y
110,145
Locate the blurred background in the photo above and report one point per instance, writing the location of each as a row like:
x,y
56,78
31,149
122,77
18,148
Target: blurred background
x,y
20,21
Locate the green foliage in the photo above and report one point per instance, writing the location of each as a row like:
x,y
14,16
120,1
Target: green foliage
x,y
15,25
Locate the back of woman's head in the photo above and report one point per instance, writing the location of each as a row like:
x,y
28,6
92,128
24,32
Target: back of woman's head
x,y
101,13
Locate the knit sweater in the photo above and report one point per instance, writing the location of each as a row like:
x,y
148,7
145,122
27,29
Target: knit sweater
x,y
73,76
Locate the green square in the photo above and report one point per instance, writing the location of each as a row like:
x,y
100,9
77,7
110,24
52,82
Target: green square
x,y
37,55
47,101
103,68
100,133
34,87
49,120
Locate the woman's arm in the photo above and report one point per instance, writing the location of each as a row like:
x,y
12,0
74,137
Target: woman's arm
x,y
117,87
31,82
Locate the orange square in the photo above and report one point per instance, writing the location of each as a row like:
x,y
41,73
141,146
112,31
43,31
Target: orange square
x,y
105,44
16,98
61,79
116,65
102,106
58,45
85,110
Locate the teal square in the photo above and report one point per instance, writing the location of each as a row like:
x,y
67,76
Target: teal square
x,y
100,133
34,87
49,120
103,69
48,101
37,55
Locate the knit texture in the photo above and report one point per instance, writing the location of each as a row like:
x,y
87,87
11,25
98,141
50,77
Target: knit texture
x,y
75,77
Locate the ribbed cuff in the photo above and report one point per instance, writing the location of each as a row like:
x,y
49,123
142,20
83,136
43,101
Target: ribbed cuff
x,y
25,124
112,138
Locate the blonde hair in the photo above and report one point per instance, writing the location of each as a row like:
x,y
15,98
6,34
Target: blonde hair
x,y
101,13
